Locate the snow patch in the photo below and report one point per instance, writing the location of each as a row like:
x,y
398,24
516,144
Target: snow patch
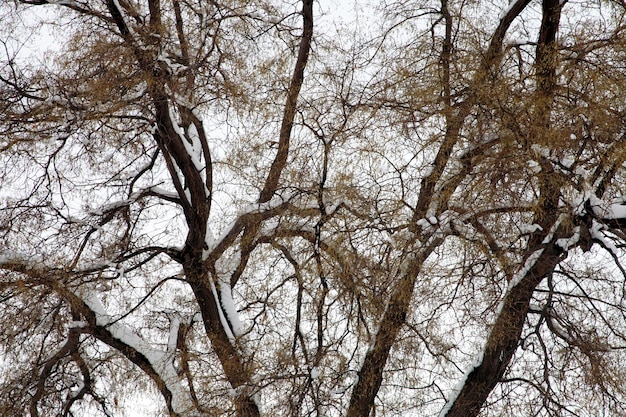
x,y
527,229
614,211
541,150
193,148
75,390
567,243
172,340
596,233
228,305
220,312
534,166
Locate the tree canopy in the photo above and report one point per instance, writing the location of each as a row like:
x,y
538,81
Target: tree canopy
x,y
272,208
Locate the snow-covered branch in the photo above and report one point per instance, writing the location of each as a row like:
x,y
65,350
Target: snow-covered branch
x,y
157,363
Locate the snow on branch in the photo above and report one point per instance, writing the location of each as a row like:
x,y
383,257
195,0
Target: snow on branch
x,y
116,11
152,191
157,363
190,141
223,293
572,241
222,315
507,10
161,363
437,227
532,259
596,218
256,212
611,211
478,359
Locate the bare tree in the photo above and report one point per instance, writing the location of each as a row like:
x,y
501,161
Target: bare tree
x,y
234,210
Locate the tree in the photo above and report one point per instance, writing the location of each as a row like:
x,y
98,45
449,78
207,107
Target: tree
x,y
238,211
